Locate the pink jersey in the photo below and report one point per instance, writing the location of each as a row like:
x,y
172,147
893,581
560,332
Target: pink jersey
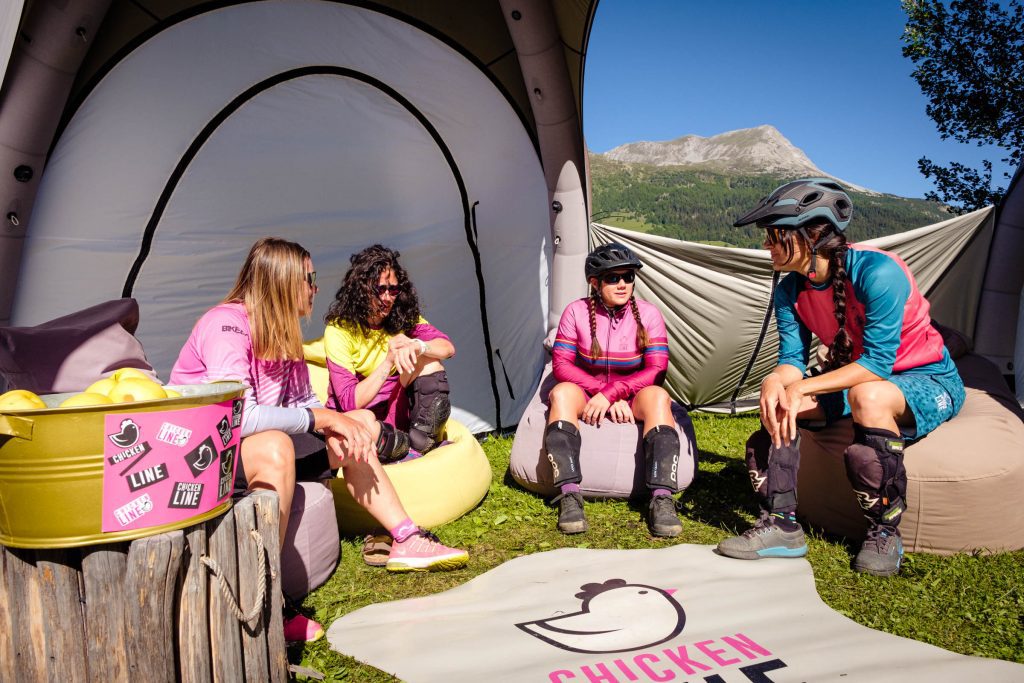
x,y
622,369
220,348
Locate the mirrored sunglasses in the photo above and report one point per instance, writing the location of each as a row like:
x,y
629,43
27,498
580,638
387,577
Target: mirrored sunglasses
x,y
613,278
393,290
311,278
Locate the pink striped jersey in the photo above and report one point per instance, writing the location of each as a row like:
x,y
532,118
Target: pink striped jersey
x,y
622,369
220,348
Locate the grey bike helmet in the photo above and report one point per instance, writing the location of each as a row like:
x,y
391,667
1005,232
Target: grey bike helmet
x,y
800,202
609,257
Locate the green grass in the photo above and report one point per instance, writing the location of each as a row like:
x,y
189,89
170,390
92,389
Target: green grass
x,y
968,604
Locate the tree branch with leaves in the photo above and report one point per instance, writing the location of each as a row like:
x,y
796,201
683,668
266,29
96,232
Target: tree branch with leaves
x,y
969,63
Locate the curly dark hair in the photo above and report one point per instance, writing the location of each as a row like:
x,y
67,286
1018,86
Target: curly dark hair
x,y
354,301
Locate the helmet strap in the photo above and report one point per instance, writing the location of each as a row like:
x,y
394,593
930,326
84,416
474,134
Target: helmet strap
x,y
812,269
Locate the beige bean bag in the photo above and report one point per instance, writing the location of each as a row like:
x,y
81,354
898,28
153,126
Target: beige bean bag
x,y
965,489
611,458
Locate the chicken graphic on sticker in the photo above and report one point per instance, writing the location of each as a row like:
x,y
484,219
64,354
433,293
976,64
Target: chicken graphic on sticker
x,y
201,457
128,436
615,617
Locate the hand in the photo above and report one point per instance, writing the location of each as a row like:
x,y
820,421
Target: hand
x,y
774,405
595,409
621,412
406,356
346,435
794,398
398,341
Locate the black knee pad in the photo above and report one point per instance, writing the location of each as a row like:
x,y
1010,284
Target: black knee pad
x,y
773,471
661,450
392,444
562,442
874,466
430,408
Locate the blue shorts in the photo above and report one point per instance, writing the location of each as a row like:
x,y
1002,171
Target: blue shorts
x,y
932,399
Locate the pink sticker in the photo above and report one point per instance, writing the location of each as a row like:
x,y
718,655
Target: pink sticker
x,y
166,467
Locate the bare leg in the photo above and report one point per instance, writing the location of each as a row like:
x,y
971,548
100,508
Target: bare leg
x,y
880,405
653,406
567,401
269,462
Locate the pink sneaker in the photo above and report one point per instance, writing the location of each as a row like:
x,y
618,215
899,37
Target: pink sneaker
x,y
423,552
301,629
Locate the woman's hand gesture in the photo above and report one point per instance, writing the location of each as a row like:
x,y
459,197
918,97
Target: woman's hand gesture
x,y
595,409
404,352
621,412
349,436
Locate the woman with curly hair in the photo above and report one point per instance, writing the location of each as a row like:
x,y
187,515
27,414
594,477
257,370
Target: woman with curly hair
x,y
887,367
384,356
254,336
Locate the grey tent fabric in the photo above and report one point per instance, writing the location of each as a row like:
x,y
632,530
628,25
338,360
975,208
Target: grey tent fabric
x,y
10,16
714,298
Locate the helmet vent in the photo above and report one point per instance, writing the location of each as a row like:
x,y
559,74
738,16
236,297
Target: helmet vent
x,y
844,208
810,198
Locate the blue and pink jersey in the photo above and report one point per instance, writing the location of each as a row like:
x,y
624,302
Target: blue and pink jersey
x,y
886,317
621,369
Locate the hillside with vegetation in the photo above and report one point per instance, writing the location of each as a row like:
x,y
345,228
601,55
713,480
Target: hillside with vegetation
x,y
700,204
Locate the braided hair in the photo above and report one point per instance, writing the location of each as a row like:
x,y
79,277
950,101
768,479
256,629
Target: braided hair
x,y
834,248
641,331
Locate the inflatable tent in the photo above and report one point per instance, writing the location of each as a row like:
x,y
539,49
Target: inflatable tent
x,y
145,144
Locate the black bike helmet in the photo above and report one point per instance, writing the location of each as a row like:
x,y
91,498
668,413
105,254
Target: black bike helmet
x,y
609,257
797,203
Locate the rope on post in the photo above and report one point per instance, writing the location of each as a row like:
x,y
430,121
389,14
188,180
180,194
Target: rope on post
x,y
225,589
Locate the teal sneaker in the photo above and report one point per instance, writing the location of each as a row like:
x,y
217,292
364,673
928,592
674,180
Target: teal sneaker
x,y
765,539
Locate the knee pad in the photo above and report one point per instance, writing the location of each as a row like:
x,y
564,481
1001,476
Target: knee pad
x,y
430,408
562,442
874,466
661,450
773,471
392,444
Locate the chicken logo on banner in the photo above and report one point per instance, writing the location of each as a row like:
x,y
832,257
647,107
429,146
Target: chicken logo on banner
x,y
615,617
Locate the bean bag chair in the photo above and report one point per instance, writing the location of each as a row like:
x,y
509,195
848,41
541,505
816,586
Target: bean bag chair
x,y
965,480
436,488
612,455
311,545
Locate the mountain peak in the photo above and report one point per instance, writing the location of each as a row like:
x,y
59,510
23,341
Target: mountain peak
x,y
759,150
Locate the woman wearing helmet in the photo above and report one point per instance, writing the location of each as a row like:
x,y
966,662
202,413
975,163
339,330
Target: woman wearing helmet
x,y
609,357
887,367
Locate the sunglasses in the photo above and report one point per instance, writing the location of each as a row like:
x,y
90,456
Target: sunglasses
x,y
393,290
774,235
613,278
311,278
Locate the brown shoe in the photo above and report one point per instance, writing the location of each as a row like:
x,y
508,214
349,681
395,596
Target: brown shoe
x,y
377,549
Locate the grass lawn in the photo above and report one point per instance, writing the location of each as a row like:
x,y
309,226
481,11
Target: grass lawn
x,y
968,604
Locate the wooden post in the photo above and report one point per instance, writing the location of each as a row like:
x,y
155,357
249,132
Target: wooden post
x,y
7,668
268,522
153,565
28,624
250,569
194,662
225,633
103,577
60,601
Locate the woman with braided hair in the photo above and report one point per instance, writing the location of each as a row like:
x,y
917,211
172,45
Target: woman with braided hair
x,y
610,357
887,368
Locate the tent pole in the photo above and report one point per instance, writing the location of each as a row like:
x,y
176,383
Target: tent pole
x,y
534,32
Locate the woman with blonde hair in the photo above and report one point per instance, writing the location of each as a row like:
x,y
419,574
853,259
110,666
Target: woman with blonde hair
x,y
254,336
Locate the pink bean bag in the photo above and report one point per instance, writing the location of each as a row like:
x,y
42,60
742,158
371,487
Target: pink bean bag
x,y
611,459
311,545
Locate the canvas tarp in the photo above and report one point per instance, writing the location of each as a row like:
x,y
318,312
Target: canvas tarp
x,y
714,298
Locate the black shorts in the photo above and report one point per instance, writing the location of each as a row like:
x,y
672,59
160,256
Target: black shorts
x,y
311,462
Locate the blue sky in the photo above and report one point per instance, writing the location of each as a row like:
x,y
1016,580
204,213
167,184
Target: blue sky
x,y
829,75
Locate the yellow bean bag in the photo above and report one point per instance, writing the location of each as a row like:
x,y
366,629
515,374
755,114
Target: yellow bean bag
x,y
441,486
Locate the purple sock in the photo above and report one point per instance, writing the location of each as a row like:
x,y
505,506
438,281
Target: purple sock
x,y
404,530
570,488
660,492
